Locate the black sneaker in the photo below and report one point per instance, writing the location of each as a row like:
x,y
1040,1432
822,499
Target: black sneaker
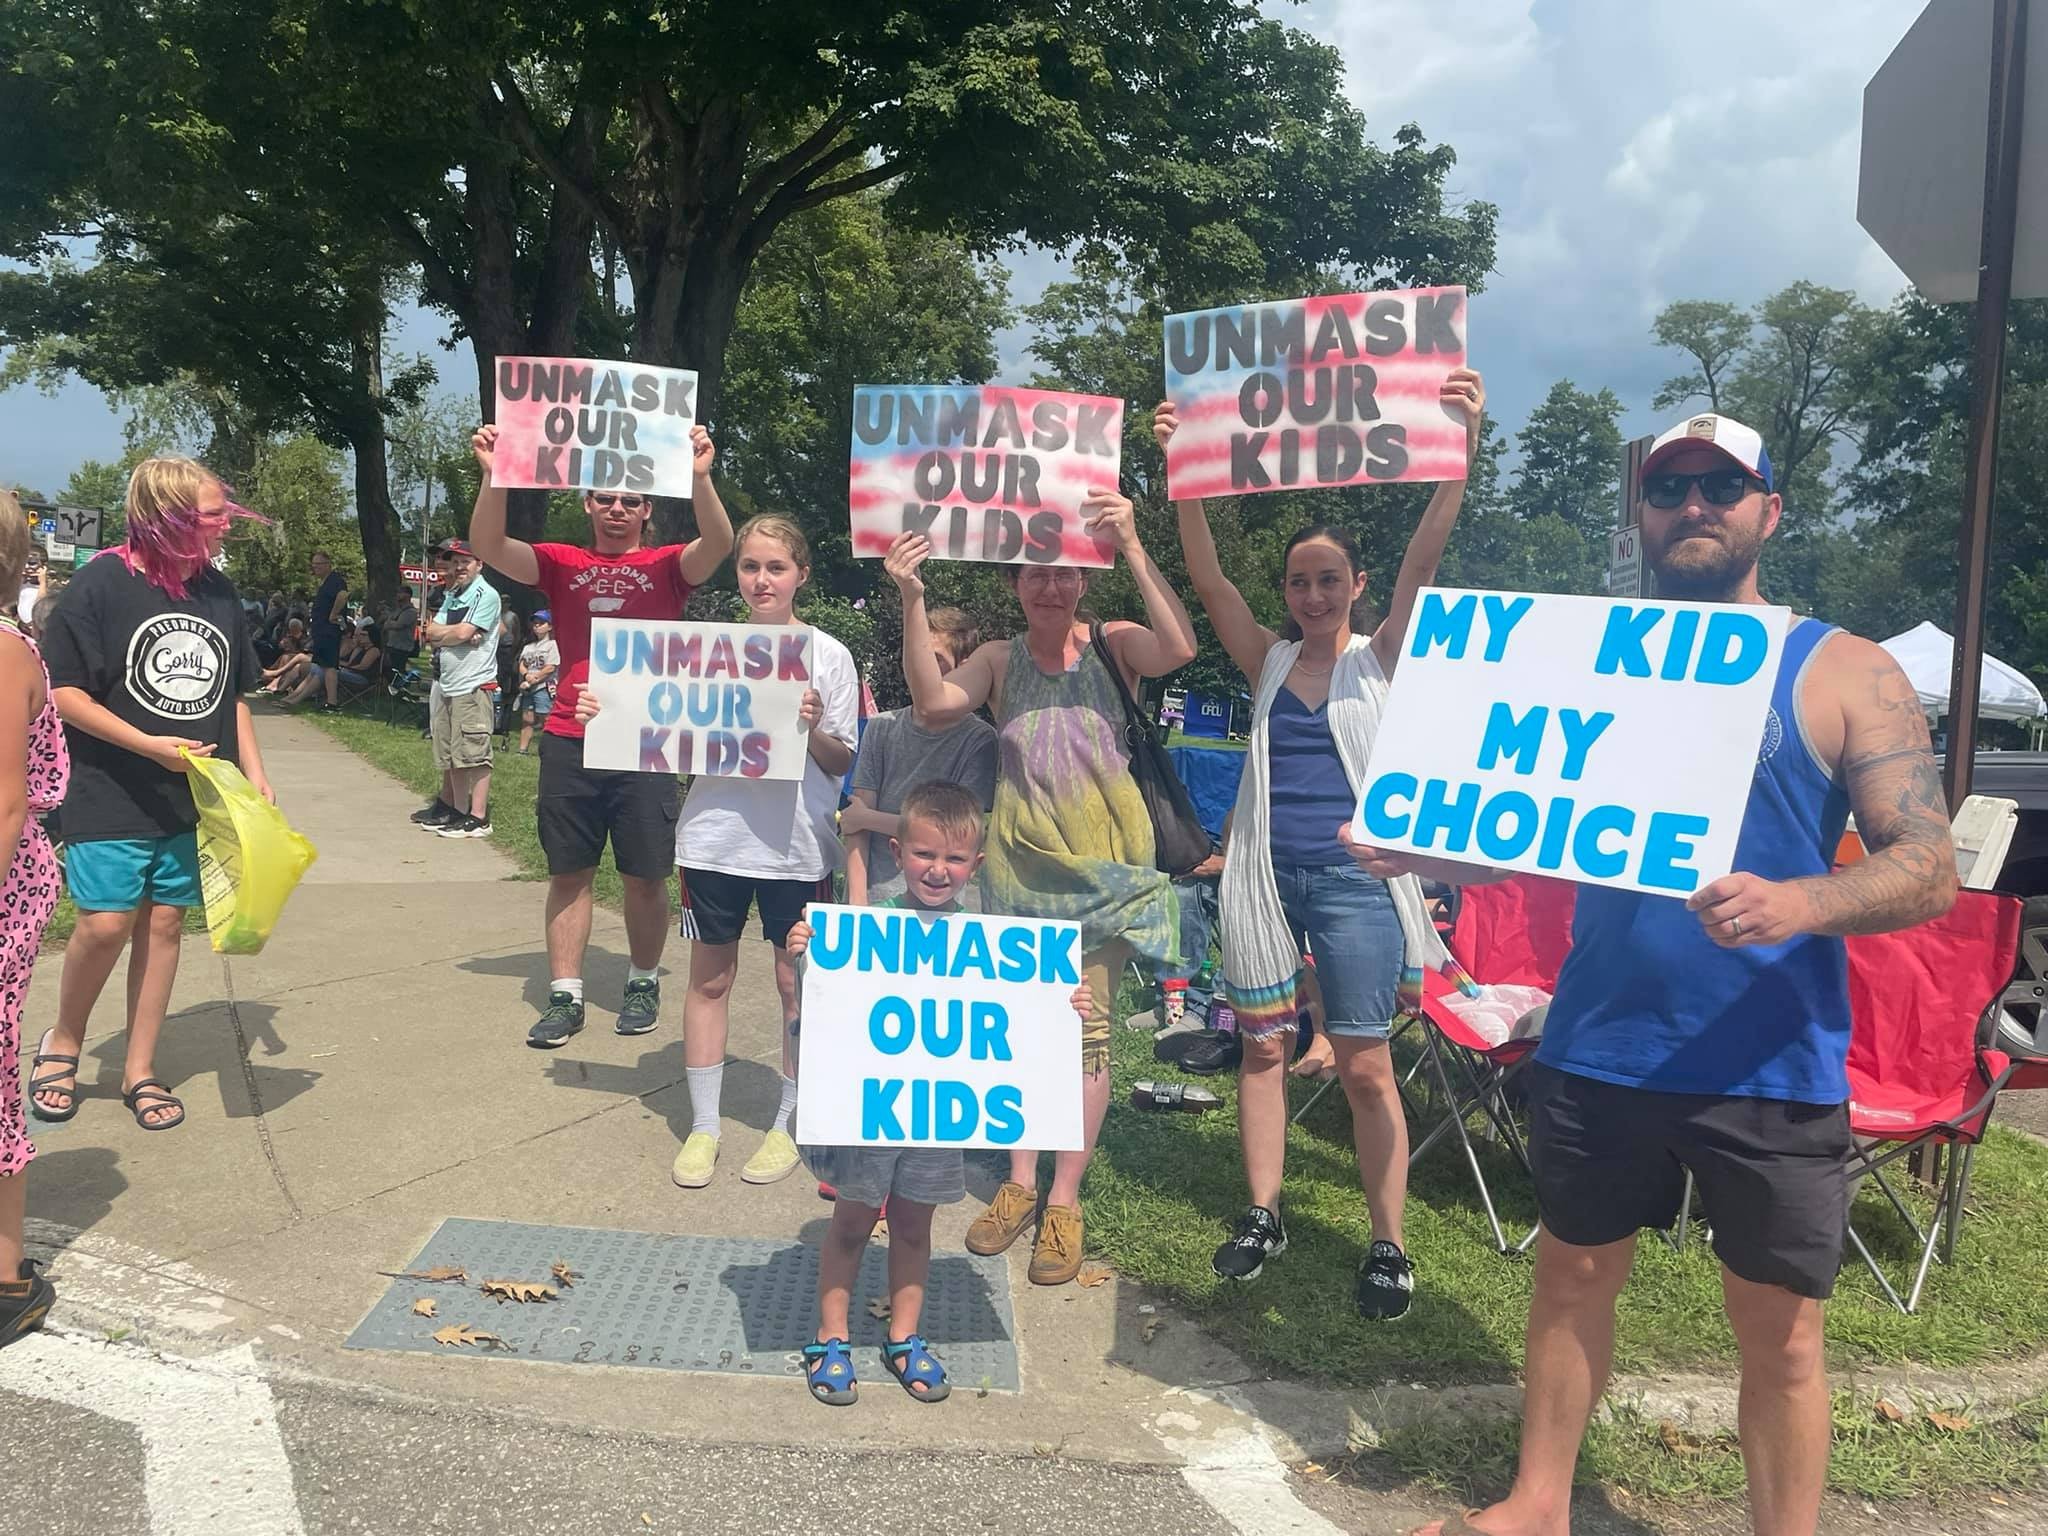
x,y
1259,1237
465,826
21,1315
563,1018
1386,1283
439,814
1214,1051
641,1010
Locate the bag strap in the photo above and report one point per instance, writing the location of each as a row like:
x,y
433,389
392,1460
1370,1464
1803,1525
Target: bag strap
x,y
1134,726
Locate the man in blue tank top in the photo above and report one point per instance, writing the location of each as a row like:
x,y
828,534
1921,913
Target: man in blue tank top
x,y
1712,1035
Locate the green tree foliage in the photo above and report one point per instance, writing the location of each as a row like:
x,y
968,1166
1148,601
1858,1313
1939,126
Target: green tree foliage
x,y
299,488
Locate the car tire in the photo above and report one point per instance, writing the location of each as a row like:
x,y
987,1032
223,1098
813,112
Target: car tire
x,y
2020,1011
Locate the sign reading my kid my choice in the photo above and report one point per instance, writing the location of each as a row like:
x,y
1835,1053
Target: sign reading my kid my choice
x,y
1608,742
1315,392
952,1030
985,474
574,423
716,699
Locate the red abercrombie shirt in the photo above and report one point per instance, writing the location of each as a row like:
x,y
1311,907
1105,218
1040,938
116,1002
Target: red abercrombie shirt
x,y
581,585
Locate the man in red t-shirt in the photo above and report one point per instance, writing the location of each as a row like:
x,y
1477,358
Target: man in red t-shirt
x,y
579,807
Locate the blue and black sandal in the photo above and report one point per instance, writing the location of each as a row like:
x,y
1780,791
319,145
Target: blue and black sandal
x,y
912,1362
829,1368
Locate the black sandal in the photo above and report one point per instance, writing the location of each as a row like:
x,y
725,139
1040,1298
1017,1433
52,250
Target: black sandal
x,y
158,1096
47,1083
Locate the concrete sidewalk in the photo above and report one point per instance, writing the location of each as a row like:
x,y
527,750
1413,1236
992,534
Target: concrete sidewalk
x,y
367,1076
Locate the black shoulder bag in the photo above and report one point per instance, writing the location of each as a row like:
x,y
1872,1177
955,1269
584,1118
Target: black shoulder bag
x,y
1179,840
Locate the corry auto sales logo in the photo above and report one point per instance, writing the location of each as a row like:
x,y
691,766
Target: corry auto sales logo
x,y
178,666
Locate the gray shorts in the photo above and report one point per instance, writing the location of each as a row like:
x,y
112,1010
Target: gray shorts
x,y
870,1175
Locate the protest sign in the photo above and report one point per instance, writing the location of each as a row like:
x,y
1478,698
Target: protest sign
x,y
985,474
572,423
1315,392
1608,742
921,1030
716,699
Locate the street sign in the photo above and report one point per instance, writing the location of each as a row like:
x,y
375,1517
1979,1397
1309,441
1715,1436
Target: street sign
x,y
79,525
46,528
1625,563
1920,191
61,552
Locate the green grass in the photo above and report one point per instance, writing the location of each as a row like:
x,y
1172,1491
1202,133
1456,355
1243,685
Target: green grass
x,y
1176,738
1868,1456
1165,1187
407,756
65,918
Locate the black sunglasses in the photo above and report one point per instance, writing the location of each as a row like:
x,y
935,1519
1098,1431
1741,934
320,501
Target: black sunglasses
x,y
1718,487
607,498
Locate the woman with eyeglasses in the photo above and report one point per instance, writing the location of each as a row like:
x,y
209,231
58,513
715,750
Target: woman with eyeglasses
x,y
1318,690
1069,837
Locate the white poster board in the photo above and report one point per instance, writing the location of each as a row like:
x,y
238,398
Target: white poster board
x,y
939,1031
713,699
590,423
1611,742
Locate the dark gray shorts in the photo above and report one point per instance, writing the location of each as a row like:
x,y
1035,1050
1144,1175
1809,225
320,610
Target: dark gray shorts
x,y
1773,1175
870,1175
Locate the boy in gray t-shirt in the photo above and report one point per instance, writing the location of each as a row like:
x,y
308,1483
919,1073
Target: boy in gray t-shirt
x,y
898,752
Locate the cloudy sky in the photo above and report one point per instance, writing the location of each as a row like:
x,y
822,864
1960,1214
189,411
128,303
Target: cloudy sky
x,y
1640,151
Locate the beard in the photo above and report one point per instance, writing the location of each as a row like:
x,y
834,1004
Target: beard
x,y
1707,567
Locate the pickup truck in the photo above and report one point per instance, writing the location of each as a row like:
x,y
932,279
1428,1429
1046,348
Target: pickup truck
x,y
2022,777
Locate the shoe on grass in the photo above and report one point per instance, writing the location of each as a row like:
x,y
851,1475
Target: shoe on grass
x,y
775,1160
562,1018
465,826
641,1009
1056,1257
1004,1221
24,1304
1386,1283
696,1160
1257,1238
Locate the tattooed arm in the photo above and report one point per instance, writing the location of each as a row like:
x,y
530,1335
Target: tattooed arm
x,y
1871,727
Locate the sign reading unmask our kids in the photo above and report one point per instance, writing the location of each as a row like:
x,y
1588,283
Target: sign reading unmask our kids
x,y
1603,741
940,1031
719,700
985,474
570,423
1330,391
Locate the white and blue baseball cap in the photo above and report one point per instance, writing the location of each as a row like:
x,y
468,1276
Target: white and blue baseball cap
x,y
1740,445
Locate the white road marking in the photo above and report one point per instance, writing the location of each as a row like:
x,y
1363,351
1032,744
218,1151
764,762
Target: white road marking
x,y
213,1458
1237,1473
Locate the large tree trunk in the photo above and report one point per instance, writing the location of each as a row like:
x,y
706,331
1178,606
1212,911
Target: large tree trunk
x,y
375,518
704,323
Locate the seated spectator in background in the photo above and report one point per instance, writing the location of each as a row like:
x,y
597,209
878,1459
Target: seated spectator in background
x,y
358,656
538,664
289,670
268,631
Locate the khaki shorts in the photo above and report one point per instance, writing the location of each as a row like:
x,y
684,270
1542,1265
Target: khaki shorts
x,y
462,729
1103,970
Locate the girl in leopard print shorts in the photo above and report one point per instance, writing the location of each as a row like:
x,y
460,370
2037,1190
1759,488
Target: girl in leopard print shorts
x,y
34,768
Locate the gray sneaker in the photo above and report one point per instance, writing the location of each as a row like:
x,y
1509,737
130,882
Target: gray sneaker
x,y
563,1018
641,1010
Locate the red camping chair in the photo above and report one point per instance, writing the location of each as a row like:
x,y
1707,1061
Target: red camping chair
x,y
1514,932
1917,1076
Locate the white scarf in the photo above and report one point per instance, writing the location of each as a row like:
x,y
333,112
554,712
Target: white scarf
x,y
1258,949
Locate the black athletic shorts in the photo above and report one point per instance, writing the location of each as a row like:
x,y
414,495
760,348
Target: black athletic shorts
x,y
715,904
327,648
580,807
1773,1175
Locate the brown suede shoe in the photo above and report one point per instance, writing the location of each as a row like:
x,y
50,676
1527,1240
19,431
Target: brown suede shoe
x,y
1057,1258
1004,1221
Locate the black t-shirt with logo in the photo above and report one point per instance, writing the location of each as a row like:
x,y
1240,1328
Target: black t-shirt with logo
x,y
167,666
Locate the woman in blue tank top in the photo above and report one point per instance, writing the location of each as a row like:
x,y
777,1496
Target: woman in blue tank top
x,y
1318,690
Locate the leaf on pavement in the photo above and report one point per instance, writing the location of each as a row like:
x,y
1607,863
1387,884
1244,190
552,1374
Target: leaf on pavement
x,y
441,1272
1954,1423
1891,1412
565,1277
646,1518
1094,1274
462,1333
1676,1440
426,1306
878,1309
517,1290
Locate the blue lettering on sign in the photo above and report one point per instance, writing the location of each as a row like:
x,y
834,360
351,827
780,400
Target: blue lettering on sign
x,y
1506,736
1734,648
1376,809
1591,858
878,1120
1501,619
1056,955
608,651
973,955
1580,732
1004,1116
892,1026
1623,642
1446,624
1671,838
1445,813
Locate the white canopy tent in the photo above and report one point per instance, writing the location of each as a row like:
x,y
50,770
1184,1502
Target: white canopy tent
x,y
1927,656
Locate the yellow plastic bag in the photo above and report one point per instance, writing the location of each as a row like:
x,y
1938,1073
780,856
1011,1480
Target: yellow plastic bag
x,y
249,857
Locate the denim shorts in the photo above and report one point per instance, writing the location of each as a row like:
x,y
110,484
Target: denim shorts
x,y
1347,919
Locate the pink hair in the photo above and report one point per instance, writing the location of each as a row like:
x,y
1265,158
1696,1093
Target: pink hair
x,y
166,543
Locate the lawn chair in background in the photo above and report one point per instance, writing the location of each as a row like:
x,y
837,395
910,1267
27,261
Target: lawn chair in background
x,y
1512,932
1918,1078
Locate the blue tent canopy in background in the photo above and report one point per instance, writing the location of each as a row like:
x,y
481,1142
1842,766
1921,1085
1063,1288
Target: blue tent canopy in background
x,y
1211,775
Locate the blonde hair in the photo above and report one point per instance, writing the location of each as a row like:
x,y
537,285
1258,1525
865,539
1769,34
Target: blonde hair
x,y
958,629
15,543
941,803
166,543
784,530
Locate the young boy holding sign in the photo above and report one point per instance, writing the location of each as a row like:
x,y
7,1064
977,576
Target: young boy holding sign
x,y
938,848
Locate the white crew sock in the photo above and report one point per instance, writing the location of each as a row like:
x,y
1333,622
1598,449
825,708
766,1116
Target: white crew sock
x,y
706,1084
642,973
573,985
788,1106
